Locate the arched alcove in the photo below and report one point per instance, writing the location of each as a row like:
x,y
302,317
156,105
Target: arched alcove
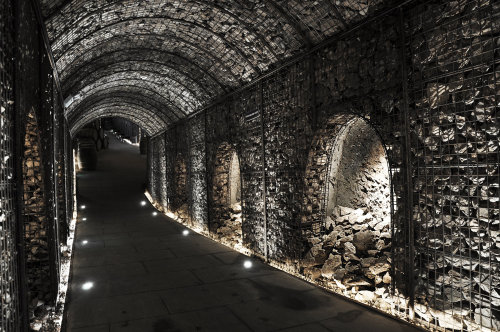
x,y
359,173
347,212
37,228
235,181
226,217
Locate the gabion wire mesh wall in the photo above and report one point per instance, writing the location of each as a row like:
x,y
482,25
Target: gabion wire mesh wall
x,y
162,165
37,224
151,178
424,78
454,98
30,129
197,171
157,169
60,168
9,282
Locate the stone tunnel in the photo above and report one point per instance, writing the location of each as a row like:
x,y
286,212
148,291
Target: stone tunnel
x,y
186,165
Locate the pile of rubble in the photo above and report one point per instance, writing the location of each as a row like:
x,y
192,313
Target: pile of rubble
x,y
354,251
229,225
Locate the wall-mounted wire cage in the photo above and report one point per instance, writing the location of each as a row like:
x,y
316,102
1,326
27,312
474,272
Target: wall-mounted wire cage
x,y
9,277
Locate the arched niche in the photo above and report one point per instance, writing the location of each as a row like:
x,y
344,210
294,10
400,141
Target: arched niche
x,y
226,214
347,208
38,229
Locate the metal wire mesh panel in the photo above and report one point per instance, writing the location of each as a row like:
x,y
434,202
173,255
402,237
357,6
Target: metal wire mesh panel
x,y
360,103
60,169
163,166
249,110
150,168
35,217
157,169
286,106
9,302
69,173
455,125
48,140
197,171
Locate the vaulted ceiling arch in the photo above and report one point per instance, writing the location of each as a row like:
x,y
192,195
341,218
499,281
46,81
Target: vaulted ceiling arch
x,y
182,54
98,70
176,93
145,119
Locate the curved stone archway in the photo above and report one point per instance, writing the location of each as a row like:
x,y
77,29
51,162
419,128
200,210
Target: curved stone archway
x,y
347,212
226,196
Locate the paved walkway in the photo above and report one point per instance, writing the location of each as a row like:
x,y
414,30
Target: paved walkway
x,y
147,277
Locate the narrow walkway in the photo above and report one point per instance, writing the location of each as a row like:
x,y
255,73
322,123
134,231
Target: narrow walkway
x,y
147,276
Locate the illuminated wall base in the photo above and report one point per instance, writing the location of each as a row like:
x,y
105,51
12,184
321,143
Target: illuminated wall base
x,y
395,305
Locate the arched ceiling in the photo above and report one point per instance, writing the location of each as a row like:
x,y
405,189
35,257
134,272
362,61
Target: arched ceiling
x,y
168,58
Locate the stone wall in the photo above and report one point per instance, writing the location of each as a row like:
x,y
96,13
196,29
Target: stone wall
x,y
36,224
423,79
454,53
9,258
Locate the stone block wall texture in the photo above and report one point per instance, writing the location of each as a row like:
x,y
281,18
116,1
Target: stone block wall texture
x,y
426,79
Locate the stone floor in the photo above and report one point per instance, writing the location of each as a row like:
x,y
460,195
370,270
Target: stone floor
x,y
147,276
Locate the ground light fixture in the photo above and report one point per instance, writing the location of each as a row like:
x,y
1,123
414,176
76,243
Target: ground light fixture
x,y
88,285
155,214
82,207
247,264
84,242
84,219
185,232
143,203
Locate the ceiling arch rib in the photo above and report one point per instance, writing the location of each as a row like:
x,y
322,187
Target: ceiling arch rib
x,y
84,64
235,59
118,98
166,82
198,13
146,120
167,106
109,63
57,23
203,58
185,105
256,17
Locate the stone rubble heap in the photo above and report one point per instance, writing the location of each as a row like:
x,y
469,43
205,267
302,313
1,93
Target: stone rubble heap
x,y
356,252
230,225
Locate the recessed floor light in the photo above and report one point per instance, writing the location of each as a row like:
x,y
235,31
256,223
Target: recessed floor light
x,y
143,203
88,285
84,219
185,232
155,214
85,242
247,264
82,207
